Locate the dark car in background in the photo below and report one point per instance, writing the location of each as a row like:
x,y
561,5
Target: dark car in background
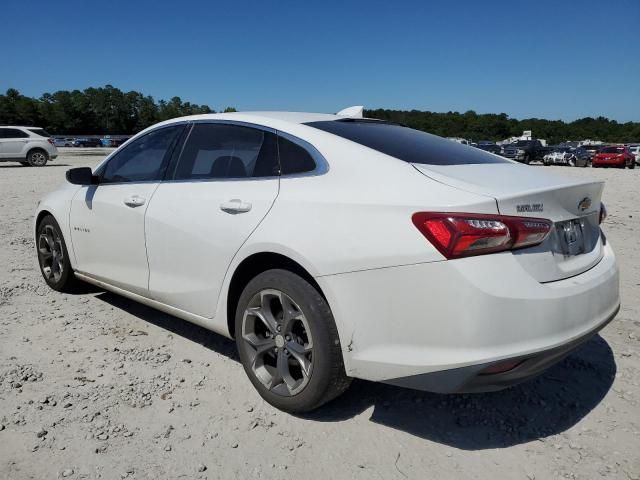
x,y
87,142
614,156
489,146
116,142
592,149
525,151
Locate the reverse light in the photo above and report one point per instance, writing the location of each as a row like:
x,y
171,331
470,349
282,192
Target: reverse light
x,y
458,235
603,213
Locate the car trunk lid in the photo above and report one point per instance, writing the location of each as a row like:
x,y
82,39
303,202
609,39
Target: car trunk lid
x,y
573,205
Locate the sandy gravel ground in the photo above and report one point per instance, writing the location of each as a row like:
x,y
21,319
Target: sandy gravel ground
x,y
96,386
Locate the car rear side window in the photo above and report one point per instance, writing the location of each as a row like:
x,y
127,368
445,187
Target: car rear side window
x,y
144,159
294,158
408,144
12,133
227,151
40,131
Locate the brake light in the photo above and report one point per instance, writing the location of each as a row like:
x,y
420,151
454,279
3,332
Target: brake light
x,y
50,140
603,213
458,235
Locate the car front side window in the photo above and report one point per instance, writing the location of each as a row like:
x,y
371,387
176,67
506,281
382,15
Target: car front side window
x,y
144,159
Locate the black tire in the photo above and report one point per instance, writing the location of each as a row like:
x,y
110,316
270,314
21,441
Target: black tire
x,y
327,378
66,281
632,165
526,160
37,158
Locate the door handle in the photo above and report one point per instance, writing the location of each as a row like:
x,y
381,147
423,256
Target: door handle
x,y
134,201
235,206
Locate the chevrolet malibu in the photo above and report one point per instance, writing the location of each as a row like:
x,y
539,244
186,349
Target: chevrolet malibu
x,y
335,246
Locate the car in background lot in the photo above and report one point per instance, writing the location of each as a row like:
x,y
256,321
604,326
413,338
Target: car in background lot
x,y
614,156
87,142
63,142
592,149
273,228
525,151
489,146
31,146
573,157
116,142
635,151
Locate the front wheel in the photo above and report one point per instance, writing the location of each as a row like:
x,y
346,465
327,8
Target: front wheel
x,y
288,342
53,257
37,158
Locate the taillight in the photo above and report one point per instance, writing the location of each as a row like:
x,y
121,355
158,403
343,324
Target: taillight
x,y
603,213
458,235
50,140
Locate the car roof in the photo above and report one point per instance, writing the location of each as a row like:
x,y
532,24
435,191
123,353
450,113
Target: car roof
x,y
19,126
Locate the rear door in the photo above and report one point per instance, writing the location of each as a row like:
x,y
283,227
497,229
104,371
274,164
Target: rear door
x,y
107,220
221,188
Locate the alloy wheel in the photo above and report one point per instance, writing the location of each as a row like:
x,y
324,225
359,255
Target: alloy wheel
x,y
277,339
38,159
51,254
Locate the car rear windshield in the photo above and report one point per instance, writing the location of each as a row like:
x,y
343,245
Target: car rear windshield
x,y
612,150
40,131
404,143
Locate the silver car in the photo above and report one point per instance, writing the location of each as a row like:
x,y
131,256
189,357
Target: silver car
x,y
31,146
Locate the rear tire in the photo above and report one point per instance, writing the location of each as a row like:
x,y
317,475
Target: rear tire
x,y
53,257
288,342
37,158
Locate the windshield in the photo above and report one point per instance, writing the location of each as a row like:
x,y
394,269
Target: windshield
x,y
407,144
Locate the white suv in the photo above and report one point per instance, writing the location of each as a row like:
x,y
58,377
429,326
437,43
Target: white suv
x,y
27,145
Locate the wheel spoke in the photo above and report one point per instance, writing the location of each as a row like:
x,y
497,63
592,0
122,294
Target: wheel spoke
x,y
260,345
289,312
299,353
265,317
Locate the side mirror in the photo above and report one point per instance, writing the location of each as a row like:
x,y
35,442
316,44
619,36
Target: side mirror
x,y
81,176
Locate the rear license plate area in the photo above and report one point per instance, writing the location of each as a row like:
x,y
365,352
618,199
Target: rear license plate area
x,y
572,236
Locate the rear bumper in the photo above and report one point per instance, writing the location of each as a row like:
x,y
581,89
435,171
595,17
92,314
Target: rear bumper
x,y
435,326
476,379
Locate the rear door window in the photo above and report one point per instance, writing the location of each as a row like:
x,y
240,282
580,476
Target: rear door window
x,y
404,143
218,150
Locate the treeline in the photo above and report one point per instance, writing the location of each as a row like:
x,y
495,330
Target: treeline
x,y
108,110
104,110
473,126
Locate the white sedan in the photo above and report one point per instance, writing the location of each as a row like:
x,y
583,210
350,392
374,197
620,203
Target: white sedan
x,y
333,246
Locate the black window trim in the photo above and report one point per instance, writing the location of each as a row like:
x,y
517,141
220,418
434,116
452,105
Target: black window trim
x,y
99,172
322,166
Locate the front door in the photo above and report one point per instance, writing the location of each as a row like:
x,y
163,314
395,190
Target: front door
x,y
107,220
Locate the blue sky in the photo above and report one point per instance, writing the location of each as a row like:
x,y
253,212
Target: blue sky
x,y
547,59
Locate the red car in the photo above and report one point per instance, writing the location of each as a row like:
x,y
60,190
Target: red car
x,y
615,155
